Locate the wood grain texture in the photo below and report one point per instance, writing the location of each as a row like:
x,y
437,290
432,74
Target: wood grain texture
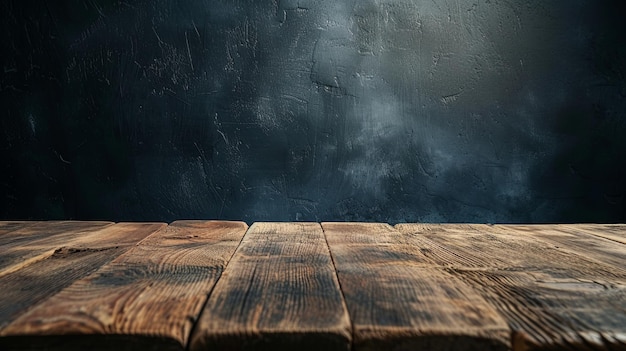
x,y
9,226
147,298
576,240
615,232
39,240
486,246
279,292
399,299
552,298
31,284
554,311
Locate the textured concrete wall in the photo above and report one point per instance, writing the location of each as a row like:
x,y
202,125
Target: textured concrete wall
x,y
385,110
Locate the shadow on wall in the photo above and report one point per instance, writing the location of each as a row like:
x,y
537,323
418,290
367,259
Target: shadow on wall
x,y
587,175
387,110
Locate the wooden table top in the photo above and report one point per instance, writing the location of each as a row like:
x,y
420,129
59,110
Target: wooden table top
x,y
215,285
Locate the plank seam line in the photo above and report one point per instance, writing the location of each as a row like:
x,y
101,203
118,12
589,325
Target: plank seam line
x,y
572,252
208,295
343,297
158,230
603,237
24,226
21,265
41,257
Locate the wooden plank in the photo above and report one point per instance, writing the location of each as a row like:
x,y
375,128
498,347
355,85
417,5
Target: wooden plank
x,y
24,288
27,232
9,226
485,246
615,232
573,239
279,292
39,241
554,311
147,298
399,300
551,298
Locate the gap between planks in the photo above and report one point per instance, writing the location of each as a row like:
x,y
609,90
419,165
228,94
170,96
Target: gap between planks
x,y
279,291
470,268
76,254
148,297
399,299
552,298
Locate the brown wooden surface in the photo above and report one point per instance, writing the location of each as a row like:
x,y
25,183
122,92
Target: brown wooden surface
x,y
33,283
400,300
575,240
615,232
155,291
552,298
38,241
149,286
9,226
279,292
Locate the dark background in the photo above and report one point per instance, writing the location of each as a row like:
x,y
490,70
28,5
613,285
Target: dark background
x,y
385,110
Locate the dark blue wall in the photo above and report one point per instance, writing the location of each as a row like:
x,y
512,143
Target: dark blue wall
x,y
377,110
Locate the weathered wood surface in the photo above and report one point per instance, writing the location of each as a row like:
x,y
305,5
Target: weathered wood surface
x,y
399,299
9,226
197,285
154,291
552,298
576,240
615,232
279,292
38,241
69,261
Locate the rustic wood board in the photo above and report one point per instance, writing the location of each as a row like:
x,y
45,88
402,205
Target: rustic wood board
x,y
486,246
399,300
553,311
576,240
25,287
9,226
147,298
279,292
39,241
551,298
615,232
24,233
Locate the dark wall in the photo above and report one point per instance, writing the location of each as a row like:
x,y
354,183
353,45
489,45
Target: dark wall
x,y
377,110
